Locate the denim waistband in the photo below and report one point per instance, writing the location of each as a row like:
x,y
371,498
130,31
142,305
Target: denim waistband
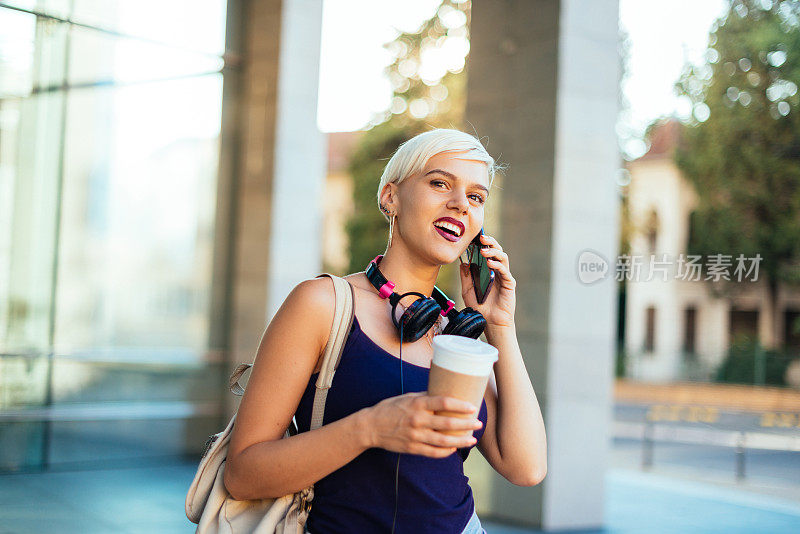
x,y
474,525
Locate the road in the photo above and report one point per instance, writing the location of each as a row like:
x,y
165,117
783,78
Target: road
x,y
699,443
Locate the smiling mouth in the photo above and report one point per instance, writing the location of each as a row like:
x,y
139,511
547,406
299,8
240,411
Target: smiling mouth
x,y
448,234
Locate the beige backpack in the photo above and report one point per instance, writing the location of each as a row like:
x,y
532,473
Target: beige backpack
x,y
208,502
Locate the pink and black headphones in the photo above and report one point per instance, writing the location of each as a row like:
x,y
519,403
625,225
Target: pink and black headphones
x,y
421,315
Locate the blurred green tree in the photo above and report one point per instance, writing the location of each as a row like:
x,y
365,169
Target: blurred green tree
x,y
741,147
746,362
426,95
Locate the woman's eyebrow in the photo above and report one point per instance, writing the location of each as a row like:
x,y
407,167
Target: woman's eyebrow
x,y
454,177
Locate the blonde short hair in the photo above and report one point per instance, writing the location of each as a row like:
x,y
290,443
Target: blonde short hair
x,y
412,155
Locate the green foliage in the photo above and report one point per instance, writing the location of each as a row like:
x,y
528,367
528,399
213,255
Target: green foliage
x,y
619,365
745,357
443,103
741,151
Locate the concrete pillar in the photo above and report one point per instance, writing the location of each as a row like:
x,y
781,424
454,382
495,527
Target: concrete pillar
x,y
272,168
542,92
300,155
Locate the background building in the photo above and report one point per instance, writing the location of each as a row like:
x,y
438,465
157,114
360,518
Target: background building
x,y
338,202
682,328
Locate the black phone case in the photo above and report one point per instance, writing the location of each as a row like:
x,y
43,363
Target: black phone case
x,y
475,272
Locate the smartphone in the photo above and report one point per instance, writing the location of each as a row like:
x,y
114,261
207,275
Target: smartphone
x,y
482,275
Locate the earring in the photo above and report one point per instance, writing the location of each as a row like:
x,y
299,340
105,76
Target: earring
x,y
391,229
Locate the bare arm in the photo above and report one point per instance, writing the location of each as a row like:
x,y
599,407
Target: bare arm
x,y
260,463
514,443
279,467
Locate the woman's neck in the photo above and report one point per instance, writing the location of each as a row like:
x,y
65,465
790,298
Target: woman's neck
x,y
407,272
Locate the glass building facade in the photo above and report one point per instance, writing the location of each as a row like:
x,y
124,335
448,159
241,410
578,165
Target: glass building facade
x,y
110,114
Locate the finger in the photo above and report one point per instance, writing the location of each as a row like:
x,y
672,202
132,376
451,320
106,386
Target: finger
x,y
489,240
420,400
438,439
499,267
442,422
449,404
495,253
505,273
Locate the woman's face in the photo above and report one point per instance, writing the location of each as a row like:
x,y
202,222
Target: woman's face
x,y
446,188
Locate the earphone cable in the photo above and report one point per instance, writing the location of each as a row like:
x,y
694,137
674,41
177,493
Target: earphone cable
x,y
397,467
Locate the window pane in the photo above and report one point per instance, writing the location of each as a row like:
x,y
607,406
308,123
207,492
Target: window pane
x,y
101,58
191,24
137,216
197,25
109,139
650,329
55,8
31,124
743,325
146,380
689,329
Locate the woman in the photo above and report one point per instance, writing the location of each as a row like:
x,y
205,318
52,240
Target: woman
x,y
352,458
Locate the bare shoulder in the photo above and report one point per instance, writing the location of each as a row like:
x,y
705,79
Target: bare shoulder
x,y
316,300
317,294
284,361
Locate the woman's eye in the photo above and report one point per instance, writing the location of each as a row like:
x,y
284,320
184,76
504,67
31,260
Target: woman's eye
x,y
479,199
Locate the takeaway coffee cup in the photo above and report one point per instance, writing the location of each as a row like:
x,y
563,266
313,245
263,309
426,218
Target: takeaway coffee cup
x,y
460,368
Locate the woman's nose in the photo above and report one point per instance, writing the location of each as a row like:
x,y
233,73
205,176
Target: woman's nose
x,y
459,201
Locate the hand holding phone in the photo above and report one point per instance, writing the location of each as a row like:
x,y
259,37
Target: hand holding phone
x,y
482,275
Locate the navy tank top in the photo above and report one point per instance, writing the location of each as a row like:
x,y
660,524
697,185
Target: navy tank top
x,y
433,493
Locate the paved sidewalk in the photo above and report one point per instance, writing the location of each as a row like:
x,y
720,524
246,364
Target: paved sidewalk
x,y
151,500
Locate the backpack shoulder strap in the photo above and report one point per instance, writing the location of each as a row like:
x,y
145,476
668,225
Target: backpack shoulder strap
x,y
340,329
233,382
342,322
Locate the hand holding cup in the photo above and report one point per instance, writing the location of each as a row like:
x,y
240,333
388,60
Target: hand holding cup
x,y
409,424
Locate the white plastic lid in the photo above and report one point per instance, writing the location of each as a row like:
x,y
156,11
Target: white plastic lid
x,y
464,355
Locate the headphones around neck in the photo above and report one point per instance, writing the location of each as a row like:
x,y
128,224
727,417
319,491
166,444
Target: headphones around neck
x,y
421,315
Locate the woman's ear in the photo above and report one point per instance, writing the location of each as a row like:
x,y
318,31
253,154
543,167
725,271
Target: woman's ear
x,y
388,197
